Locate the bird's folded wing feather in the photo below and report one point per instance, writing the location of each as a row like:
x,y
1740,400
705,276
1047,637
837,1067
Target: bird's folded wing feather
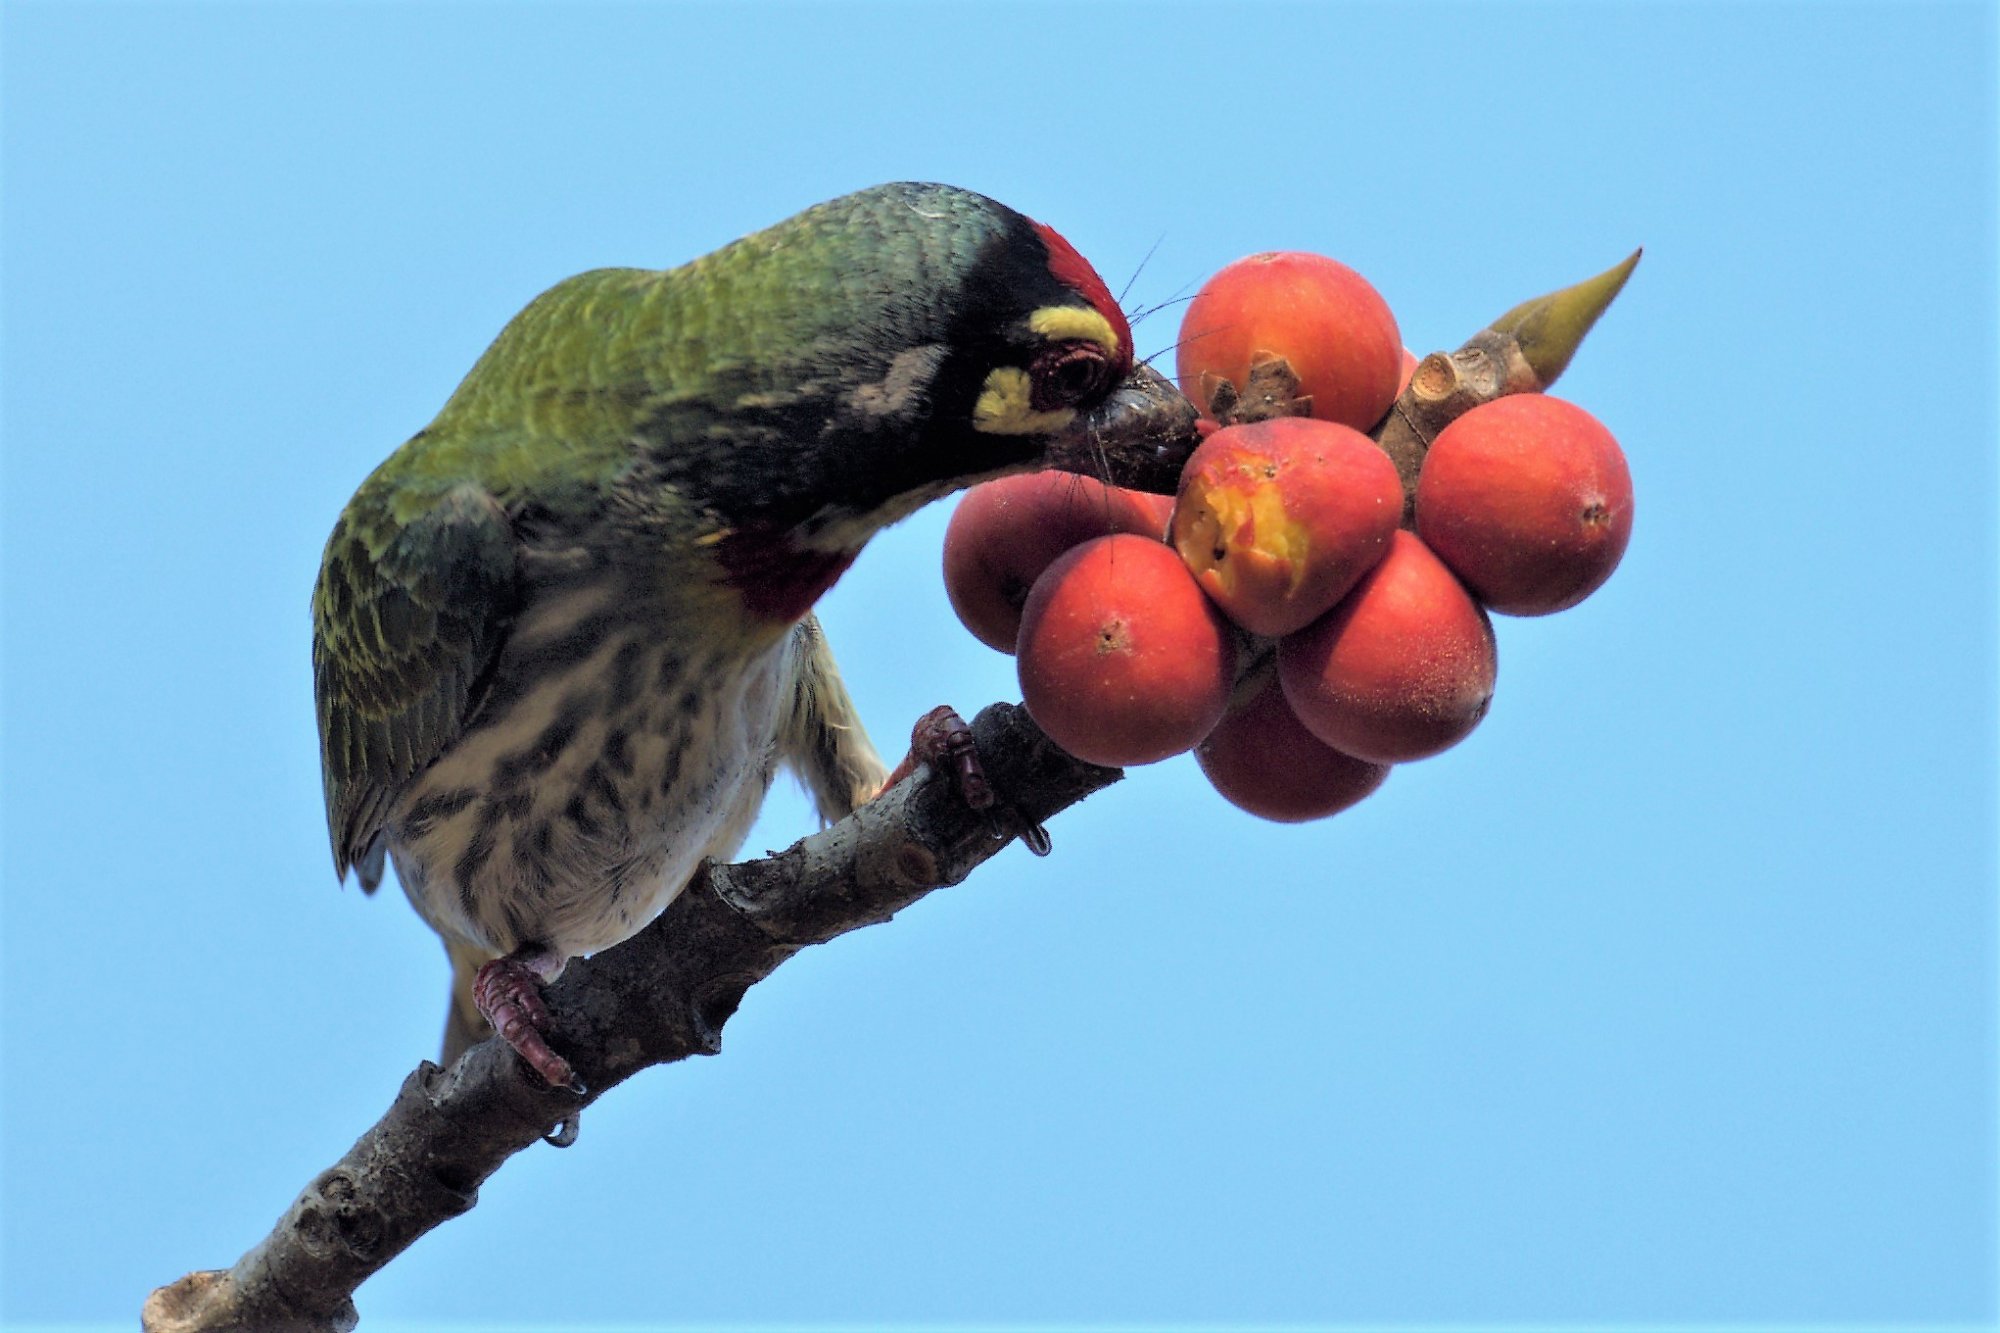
x,y
407,620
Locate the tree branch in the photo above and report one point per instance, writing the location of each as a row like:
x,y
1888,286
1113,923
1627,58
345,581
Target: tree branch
x,y
659,997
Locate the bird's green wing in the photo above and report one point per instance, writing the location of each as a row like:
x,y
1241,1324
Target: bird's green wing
x,y
407,619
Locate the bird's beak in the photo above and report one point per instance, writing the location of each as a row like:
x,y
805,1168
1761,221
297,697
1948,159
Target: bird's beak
x,y
1138,438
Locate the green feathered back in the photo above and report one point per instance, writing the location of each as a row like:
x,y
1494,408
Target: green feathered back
x,y
559,395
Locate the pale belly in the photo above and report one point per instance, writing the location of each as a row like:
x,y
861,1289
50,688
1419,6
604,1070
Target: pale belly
x,y
577,811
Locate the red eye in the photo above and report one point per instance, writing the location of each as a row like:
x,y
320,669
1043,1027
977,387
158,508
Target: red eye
x,y
1066,373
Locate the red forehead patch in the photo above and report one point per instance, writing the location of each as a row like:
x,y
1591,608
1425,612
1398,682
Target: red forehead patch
x,y
1074,271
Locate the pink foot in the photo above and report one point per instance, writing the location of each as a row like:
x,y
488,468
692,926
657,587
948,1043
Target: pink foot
x,y
509,992
943,740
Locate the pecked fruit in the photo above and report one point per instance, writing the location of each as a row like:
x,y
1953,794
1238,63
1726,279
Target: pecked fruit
x,y
1005,532
1122,659
1528,500
1402,668
1331,329
1278,519
1262,759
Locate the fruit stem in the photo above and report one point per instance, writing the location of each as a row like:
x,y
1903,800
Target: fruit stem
x,y
1270,390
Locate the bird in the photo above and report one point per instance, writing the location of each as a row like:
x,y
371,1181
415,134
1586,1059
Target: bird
x,y
563,636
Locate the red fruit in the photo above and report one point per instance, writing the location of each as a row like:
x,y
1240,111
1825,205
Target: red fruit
x,y
1004,533
1321,316
1278,519
1401,669
1529,501
1263,760
1122,659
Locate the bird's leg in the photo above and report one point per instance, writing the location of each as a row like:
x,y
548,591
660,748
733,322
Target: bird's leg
x,y
943,740
509,992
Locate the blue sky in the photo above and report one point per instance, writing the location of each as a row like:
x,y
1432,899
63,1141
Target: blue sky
x,y
1667,997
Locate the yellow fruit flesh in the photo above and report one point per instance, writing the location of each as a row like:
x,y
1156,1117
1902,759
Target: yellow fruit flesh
x,y
1251,526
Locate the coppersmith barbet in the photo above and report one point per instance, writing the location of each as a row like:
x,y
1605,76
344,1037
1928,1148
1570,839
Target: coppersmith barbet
x,y
562,637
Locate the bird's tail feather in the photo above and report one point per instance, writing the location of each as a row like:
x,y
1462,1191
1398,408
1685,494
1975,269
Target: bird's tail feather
x,y
821,735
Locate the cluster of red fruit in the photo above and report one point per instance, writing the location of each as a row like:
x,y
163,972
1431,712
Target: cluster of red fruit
x,y
1291,616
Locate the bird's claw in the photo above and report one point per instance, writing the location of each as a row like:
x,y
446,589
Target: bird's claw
x,y
508,992
942,739
564,1134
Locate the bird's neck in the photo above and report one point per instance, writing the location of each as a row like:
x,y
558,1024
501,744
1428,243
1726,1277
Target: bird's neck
x,y
777,575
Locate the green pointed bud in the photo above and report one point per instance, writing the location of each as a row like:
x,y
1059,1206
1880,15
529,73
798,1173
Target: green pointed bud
x,y
1549,328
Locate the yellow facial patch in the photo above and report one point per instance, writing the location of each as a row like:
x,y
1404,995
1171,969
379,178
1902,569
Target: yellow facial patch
x,y
1004,408
1060,322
